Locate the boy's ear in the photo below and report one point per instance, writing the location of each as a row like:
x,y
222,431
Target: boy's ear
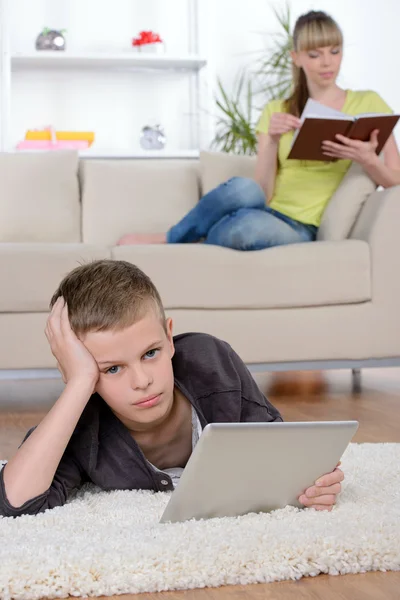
x,y
169,329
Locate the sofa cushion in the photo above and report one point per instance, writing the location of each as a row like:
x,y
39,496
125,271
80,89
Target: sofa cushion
x,y
345,204
205,276
39,198
217,167
142,196
30,273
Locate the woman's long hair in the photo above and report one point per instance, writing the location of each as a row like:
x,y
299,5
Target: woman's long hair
x,y
313,30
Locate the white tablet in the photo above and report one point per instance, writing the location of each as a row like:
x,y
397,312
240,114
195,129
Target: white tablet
x,y
237,468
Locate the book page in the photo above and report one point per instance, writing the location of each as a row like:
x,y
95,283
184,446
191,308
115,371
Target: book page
x,y
369,115
316,110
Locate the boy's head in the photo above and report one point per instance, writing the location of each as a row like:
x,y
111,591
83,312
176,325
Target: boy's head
x,y
116,311
107,294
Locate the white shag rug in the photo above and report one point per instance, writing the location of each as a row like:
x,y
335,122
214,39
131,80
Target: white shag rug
x,y
105,543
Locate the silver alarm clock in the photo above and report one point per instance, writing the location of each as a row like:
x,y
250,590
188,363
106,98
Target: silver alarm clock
x,y
152,138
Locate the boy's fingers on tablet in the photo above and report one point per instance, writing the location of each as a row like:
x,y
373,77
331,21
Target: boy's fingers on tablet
x,y
315,492
330,478
326,500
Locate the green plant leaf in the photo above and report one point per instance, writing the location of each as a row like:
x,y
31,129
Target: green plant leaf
x,y
272,72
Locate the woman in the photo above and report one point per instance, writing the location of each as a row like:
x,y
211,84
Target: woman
x,y
286,202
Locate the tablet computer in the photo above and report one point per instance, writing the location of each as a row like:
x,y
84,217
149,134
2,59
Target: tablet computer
x,y
238,468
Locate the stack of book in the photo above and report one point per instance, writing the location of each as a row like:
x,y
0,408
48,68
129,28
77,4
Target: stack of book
x,y
50,139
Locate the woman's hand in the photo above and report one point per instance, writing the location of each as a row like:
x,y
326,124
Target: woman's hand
x,y
363,153
322,495
282,123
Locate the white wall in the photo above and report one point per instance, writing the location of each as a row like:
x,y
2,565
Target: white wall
x,y
116,105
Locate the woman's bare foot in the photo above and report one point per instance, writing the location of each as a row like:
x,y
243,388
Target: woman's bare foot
x,y
142,238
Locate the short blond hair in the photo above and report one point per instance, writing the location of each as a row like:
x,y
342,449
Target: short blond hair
x,y
107,294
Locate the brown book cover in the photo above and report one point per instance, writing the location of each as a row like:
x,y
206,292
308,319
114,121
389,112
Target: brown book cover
x,y
364,126
308,142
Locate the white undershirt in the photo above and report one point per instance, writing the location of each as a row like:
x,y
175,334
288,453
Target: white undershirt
x,y
176,472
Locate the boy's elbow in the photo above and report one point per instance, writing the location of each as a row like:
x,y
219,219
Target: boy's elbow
x,y
49,499
7,510
33,506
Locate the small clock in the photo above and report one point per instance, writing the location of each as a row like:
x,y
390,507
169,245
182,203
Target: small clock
x,y
152,138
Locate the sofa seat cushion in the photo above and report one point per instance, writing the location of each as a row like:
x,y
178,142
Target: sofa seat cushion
x,y
211,277
30,273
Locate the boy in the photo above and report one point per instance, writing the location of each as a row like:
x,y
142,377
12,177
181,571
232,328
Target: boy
x,y
135,400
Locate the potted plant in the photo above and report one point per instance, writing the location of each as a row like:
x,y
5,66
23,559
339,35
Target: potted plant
x,y
267,79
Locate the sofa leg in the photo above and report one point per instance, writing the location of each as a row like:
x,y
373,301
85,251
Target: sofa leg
x,y
356,380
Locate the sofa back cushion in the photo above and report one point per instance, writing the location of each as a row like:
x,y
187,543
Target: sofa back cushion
x,y
344,207
125,196
217,167
39,197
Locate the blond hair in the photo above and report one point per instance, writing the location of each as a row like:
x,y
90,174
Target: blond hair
x,y
315,29
107,294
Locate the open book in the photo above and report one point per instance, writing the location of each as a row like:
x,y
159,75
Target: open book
x,y
321,123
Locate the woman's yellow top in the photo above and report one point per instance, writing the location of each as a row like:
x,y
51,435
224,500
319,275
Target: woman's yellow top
x,y
304,187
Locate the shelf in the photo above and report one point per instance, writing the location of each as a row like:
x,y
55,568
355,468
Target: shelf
x,y
95,153
43,59
185,70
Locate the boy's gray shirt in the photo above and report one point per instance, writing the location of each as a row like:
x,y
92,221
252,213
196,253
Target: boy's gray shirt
x,y
102,451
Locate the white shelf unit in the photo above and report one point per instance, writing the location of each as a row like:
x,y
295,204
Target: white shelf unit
x,y
98,153
133,60
193,63
105,153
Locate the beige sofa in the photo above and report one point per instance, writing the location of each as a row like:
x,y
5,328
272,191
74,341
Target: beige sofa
x,y
333,302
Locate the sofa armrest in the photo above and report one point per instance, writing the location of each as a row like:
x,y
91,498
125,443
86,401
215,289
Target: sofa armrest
x,y
379,224
377,214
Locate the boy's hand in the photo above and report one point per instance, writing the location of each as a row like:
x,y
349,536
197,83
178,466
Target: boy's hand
x,y
322,495
74,361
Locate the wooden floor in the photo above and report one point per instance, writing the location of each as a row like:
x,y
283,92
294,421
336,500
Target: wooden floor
x,y
377,409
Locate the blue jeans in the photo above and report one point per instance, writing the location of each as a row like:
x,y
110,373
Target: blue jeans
x,y
235,215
